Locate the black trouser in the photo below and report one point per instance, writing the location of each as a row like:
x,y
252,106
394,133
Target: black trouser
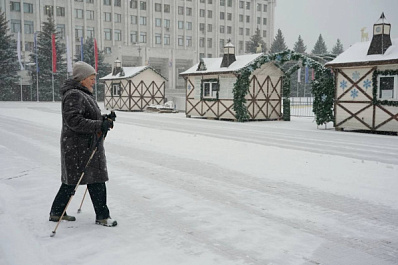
x,y
98,197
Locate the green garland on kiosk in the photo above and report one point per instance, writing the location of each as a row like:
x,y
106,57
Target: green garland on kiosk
x,y
376,101
322,86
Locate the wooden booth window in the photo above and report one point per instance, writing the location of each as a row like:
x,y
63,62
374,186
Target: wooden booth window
x,y
388,87
210,89
116,90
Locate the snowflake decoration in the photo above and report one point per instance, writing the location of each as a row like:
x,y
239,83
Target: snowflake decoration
x,y
354,93
189,87
355,76
323,98
367,83
343,84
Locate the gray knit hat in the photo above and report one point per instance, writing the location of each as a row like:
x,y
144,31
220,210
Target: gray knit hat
x,y
82,70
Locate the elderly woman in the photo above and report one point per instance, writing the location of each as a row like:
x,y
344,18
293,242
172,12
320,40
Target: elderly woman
x,y
82,126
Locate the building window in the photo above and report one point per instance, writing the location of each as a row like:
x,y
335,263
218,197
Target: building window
x,y
166,39
240,31
158,7
108,50
222,44
189,25
15,6
78,32
158,38
167,8
27,8
265,21
108,16
209,43
142,20
116,90
29,46
222,15
133,4
117,33
259,7
209,13
90,14
189,41
118,18
181,10
258,20
61,31
247,32
49,10
222,2
229,16
240,18
202,27
133,37
230,3
248,5
78,13
388,87
202,13
210,2
265,8
142,37
209,27
90,1
222,29
107,2
133,19
90,33
180,40
210,88
247,19
167,24
60,11
15,25
117,2
28,27
264,33
241,4
229,30
158,22
189,11
180,24
142,5
202,42
108,34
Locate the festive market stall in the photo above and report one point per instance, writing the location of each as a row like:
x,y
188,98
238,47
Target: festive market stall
x,y
210,84
133,88
366,91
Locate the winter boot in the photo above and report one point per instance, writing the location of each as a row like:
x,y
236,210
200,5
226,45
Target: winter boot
x,y
55,218
106,222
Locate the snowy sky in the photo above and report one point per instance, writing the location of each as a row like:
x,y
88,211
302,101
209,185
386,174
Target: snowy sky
x,y
337,19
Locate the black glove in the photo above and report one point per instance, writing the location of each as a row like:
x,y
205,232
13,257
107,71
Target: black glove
x,y
106,125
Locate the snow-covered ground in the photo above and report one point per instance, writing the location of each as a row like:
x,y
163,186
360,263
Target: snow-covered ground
x,y
194,191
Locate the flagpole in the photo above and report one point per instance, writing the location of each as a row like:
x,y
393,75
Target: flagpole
x,y
52,80
21,85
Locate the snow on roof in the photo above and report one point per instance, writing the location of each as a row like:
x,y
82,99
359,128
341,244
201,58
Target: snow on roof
x,y
213,64
358,54
129,72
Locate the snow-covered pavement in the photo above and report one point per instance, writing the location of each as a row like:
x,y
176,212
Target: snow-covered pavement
x,y
193,191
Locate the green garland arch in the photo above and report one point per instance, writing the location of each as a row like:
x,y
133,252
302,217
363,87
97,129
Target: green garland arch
x,y
322,86
382,102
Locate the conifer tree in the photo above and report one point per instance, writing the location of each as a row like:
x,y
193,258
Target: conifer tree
x,y
44,58
278,45
299,46
103,68
8,61
320,46
256,41
338,48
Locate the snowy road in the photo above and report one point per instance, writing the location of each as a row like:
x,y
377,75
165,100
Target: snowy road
x,y
193,191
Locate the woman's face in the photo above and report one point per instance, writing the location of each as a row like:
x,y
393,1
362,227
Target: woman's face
x,y
89,82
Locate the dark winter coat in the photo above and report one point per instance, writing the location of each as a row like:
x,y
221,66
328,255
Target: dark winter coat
x,y
81,125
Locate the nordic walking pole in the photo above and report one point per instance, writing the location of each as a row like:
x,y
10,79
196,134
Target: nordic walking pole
x,y
81,204
77,185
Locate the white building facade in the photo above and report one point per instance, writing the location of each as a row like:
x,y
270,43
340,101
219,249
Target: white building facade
x,y
168,35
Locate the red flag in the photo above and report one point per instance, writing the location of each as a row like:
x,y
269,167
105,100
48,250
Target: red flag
x,y
313,75
54,53
96,55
